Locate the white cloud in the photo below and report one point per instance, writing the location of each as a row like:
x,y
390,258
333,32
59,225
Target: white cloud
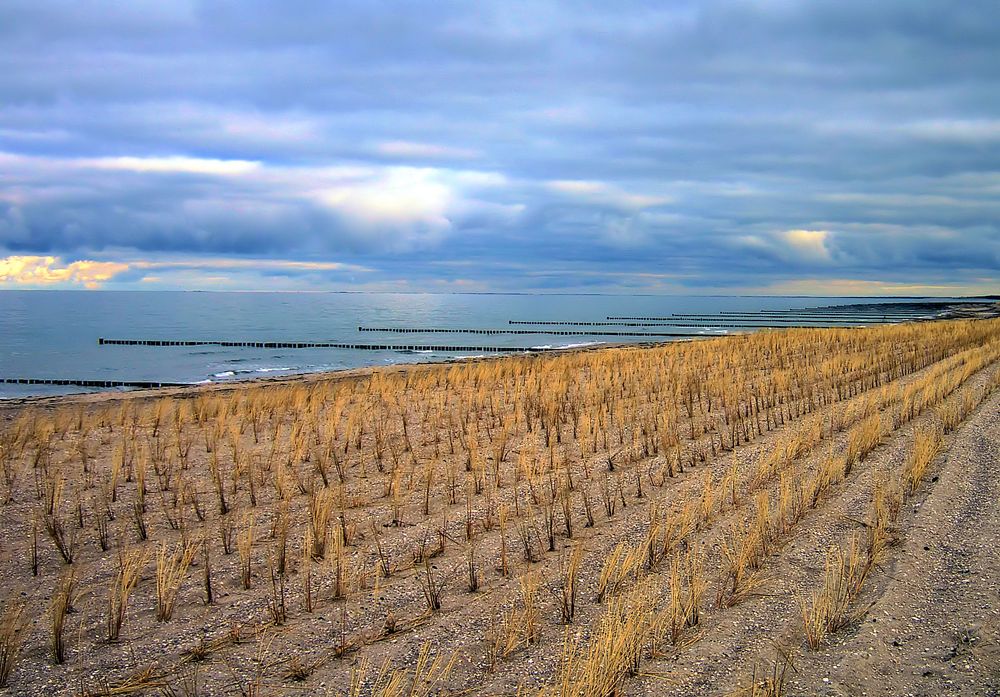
x,y
577,187
251,264
942,130
271,128
47,270
377,206
399,195
175,164
809,245
35,271
603,193
862,287
411,150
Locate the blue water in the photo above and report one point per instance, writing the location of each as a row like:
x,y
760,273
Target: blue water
x,y
53,334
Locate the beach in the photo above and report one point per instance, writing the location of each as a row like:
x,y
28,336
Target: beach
x,y
642,519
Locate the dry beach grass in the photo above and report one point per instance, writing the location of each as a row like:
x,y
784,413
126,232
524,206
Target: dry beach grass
x,y
693,518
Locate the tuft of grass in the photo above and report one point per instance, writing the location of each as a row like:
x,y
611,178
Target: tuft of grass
x,y
306,573
59,607
926,446
473,570
431,588
621,635
244,544
771,678
516,628
864,438
569,570
428,677
131,562
171,568
64,539
12,627
276,602
739,574
298,670
831,608
321,505
687,586
620,568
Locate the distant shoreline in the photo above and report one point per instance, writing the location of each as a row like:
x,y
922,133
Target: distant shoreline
x,y
981,310
972,298
335,375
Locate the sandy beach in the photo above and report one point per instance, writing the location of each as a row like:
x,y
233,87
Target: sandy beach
x,y
806,510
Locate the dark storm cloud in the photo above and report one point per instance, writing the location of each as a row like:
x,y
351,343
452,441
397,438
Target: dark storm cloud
x,y
517,145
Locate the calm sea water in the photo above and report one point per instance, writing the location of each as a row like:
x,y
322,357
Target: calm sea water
x,y
53,334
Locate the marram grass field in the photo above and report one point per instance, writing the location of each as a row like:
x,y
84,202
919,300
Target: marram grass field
x,y
579,524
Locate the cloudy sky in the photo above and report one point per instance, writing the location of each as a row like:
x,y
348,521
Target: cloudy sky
x,y
666,147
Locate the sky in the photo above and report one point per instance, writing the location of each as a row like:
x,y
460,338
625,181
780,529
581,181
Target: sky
x,y
727,146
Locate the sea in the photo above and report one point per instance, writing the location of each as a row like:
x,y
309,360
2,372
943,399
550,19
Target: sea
x,y
55,334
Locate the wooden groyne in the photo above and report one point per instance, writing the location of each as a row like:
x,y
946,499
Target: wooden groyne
x,y
780,318
91,383
793,313
688,323
309,345
832,311
546,332
752,321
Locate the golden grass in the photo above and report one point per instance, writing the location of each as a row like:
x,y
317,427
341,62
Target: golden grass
x,y
569,571
687,586
131,562
830,609
171,568
521,457
12,626
244,544
428,675
59,607
517,627
630,625
770,678
926,445
834,605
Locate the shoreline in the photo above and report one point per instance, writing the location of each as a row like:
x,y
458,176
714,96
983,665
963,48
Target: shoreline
x,y
979,311
195,389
